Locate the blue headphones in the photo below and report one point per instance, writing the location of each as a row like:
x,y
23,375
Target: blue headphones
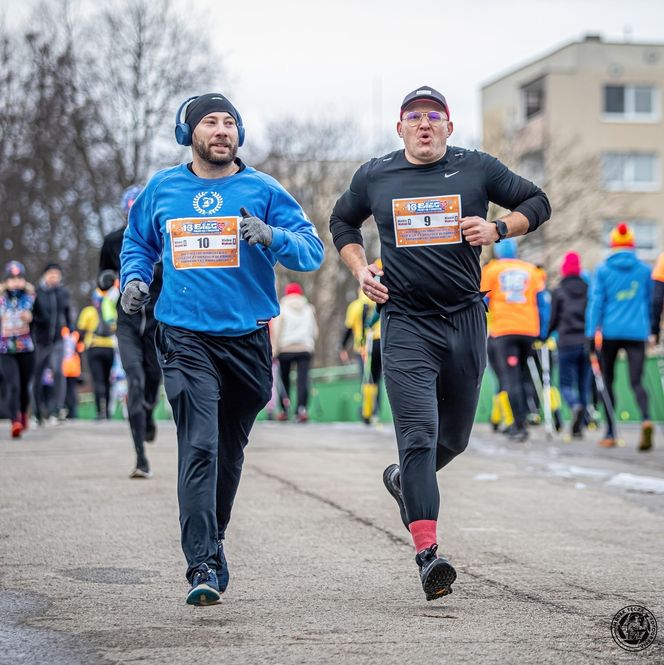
x,y
183,132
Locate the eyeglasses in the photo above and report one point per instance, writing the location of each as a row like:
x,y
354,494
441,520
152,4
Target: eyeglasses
x,y
414,118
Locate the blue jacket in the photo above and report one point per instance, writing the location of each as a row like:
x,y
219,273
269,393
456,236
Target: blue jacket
x,y
620,295
216,300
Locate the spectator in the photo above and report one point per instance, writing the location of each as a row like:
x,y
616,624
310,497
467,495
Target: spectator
x,y
16,345
568,319
98,322
295,331
50,314
620,307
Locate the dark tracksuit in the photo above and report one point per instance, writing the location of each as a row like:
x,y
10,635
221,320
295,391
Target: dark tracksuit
x,y
212,337
50,314
136,343
206,374
434,323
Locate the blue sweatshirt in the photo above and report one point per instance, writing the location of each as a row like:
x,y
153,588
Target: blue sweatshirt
x,y
619,301
217,300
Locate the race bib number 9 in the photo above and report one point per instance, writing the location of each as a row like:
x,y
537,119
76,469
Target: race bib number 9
x,y
430,220
205,243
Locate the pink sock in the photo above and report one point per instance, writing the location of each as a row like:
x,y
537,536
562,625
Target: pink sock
x,y
423,533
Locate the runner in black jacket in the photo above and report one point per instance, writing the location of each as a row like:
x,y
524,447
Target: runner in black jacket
x,y
137,347
430,203
51,312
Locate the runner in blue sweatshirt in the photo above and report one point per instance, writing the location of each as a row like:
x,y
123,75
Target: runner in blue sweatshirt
x,y
219,227
620,306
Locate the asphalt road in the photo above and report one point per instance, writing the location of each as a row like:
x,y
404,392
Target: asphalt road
x,y
550,541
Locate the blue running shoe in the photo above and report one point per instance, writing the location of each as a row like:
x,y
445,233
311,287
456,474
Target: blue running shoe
x,y
222,568
204,587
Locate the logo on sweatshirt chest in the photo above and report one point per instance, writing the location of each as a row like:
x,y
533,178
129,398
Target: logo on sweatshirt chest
x,y
207,203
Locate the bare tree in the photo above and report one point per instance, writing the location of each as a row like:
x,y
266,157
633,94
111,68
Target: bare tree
x,y
87,108
571,178
315,162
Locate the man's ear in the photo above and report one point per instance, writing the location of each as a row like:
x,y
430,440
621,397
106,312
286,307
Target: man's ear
x,y
399,132
450,128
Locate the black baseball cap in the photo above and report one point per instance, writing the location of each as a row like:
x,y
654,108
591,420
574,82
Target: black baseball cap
x,y
425,93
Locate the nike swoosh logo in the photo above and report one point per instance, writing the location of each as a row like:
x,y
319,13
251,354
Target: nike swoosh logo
x,y
449,175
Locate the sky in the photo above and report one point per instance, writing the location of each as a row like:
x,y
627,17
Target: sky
x,y
358,58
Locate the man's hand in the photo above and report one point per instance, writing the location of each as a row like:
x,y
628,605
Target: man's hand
x,y
371,286
135,295
478,231
255,230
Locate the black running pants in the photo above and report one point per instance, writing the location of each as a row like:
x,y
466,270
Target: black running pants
x,y
433,369
141,365
216,387
636,353
17,369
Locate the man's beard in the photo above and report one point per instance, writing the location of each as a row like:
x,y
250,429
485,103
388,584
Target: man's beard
x,y
205,152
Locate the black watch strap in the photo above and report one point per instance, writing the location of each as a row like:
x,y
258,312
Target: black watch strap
x,y
501,228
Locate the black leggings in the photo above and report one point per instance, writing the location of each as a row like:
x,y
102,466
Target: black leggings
x,y
139,360
512,353
100,360
433,370
636,352
302,361
17,371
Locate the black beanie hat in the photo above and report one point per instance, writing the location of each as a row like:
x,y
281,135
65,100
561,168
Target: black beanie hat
x,y
52,266
213,102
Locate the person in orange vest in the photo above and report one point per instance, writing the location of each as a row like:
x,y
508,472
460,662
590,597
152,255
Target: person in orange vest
x,y
71,368
657,299
514,289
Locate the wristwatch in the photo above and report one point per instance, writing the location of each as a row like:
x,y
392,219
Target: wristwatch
x,y
501,228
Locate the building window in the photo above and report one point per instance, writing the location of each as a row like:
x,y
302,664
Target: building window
x,y
632,103
630,172
646,236
531,166
532,96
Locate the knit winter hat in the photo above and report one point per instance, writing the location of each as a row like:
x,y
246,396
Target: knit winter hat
x,y
14,269
293,288
571,265
622,236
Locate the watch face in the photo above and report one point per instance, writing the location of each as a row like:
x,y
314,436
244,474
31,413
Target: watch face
x,y
502,229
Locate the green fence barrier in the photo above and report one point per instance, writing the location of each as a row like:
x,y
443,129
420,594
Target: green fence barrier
x,y
335,396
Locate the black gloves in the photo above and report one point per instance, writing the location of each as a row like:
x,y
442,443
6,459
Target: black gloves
x,y
254,230
135,295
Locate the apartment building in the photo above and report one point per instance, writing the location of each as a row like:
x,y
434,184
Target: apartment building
x,y
585,122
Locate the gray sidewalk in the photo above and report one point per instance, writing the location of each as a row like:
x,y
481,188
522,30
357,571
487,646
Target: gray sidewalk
x,y
550,540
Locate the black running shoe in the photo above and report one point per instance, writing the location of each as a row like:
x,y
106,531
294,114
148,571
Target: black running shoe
x,y
436,573
392,482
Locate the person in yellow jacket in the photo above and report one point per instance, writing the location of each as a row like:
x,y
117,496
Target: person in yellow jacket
x,y
363,326
98,322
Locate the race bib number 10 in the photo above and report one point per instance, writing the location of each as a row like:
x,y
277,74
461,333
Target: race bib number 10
x,y
430,220
205,243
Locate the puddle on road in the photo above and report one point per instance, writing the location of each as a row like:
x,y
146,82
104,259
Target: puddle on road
x,y
22,644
